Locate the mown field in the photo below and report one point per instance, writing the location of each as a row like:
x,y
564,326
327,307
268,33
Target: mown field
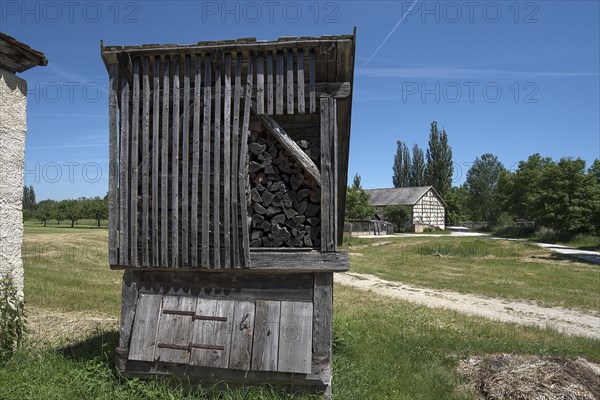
x,y
497,268
383,348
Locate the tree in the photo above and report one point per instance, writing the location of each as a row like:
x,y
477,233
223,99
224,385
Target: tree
x,y
457,205
594,170
401,168
481,185
417,171
73,210
397,215
95,208
28,198
439,170
44,210
357,201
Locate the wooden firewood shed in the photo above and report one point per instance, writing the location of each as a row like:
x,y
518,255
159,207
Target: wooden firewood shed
x,y
227,176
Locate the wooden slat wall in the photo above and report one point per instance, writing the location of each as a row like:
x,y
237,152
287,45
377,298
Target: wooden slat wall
x,y
179,161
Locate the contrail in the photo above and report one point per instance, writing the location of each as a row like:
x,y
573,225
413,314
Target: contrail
x,y
390,34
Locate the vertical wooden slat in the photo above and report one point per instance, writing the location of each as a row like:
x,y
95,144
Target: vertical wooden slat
x,y
266,335
133,190
243,167
175,329
155,164
270,99
164,179
290,82
334,192
212,333
185,154
217,172
260,84
175,261
327,176
295,337
145,163
240,355
205,255
196,162
322,325
279,85
113,164
227,164
145,325
312,84
301,102
235,210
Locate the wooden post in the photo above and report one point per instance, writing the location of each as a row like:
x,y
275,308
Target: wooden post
x,y
113,166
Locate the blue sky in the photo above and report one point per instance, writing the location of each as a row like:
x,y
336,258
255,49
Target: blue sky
x,y
506,77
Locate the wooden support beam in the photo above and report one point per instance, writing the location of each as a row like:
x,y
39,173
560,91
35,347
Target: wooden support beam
x,y
133,189
124,176
322,326
216,172
286,141
196,162
164,179
185,153
227,164
243,167
328,172
113,164
235,131
145,163
205,259
175,260
156,165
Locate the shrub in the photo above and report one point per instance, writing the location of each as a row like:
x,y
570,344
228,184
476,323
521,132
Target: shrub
x,y
12,318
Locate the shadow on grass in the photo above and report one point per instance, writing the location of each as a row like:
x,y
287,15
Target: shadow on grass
x,y
100,345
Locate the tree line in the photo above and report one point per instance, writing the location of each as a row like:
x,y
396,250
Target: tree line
x,y
434,168
70,210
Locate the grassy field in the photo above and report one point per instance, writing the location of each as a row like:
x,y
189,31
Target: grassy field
x,y
498,268
383,348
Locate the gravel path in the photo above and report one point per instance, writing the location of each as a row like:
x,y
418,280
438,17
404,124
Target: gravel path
x,y
563,320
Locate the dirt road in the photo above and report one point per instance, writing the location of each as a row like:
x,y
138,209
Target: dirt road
x,y
563,320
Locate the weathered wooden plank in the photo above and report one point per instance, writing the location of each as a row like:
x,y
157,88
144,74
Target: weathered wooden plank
x,y
145,163
295,337
227,164
129,299
244,285
260,84
334,167
300,82
175,138
217,172
155,164
327,174
266,336
185,158
143,336
306,260
164,179
235,204
212,333
270,98
290,82
196,162
175,330
312,86
240,356
113,164
243,167
279,85
133,189
206,127
290,145
322,325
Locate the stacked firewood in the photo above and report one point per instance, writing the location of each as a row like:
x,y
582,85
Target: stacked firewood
x,y
285,201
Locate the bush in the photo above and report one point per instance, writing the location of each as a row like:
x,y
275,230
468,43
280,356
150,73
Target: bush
x,y
12,318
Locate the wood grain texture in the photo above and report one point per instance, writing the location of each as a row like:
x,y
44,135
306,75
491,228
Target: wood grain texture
x,y
143,336
260,84
206,128
227,165
124,175
300,82
295,337
113,164
243,168
194,226
289,81
175,329
235,132
212,333
164,179
175,158
279,85
185,167
312,84
133,188
216,173
129,299
156,164
270,85
328,202
145,162
266,335
240,356
323,325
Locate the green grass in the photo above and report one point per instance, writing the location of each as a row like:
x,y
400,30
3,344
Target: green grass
x,y
579,241
483,266
383,348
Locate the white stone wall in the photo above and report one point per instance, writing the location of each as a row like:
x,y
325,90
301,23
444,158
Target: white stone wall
x,y
13,102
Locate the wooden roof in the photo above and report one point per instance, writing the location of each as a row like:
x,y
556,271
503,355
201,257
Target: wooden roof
x,y
406,196
16,56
